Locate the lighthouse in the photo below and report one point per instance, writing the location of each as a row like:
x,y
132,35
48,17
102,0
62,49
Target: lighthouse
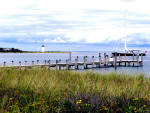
x,y
42,48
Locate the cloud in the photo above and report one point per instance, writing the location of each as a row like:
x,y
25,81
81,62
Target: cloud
x,y
69,21
128,0
138,38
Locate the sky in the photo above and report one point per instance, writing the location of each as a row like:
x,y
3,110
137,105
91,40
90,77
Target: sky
x,y
27,24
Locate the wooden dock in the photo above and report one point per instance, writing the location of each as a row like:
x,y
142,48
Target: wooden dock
x,y
114,60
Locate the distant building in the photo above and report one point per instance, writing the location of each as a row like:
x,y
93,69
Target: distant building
x,y
42,48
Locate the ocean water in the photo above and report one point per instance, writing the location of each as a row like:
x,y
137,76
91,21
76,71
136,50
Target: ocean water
x,y
29,57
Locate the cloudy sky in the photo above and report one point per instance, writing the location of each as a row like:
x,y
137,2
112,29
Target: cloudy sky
x,y
24,23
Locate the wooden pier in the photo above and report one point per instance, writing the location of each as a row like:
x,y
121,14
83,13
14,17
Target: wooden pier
x,y
114,60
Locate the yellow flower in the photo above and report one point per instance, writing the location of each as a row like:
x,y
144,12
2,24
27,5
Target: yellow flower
x,y
79,101
10,99
144,106
105,108
136,99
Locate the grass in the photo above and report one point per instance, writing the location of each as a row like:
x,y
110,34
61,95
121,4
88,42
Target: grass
x,y
43,90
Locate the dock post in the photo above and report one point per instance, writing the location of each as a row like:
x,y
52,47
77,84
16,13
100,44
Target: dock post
x,y
70,56
59,60
49,63
20,64
4,65
57,65
12,63
78,58
104,59
125,60
133,59
119,60
115,60
37,62
32,63
129,63
137,58
76,63
45,62
85,62
60,63
67,64
92,61
141,59
25,62
99,60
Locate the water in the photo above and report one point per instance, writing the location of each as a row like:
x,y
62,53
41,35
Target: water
x,y
29,57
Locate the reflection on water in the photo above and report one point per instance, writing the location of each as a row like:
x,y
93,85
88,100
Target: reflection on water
x,y
29,57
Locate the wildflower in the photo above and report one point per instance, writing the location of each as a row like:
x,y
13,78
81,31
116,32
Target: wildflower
x,y
136,99
105,108
79,101
10,99
38,103
144,106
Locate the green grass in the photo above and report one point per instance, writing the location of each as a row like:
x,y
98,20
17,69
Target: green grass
x,y
43,90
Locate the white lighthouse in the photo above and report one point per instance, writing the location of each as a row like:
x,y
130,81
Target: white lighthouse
x,y
42,48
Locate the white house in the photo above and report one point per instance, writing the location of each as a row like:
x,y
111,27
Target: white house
x,y
42,48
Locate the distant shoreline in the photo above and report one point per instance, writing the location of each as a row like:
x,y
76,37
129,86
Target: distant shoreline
x,y
14,50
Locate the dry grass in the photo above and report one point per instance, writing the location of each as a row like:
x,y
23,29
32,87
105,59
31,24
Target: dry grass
x,y
71,86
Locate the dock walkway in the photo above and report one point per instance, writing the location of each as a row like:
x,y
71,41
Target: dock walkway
x,y
115,60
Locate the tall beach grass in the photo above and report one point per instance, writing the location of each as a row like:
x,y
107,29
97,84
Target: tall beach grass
x,y
44,90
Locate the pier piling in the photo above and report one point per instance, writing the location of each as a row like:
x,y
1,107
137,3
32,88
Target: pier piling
x,y
32,63
141,60
12,63
45,62
85,62
70,56
4,65
99,60
104,59
25,62
19,63
57,65
67,65
92,61
133,59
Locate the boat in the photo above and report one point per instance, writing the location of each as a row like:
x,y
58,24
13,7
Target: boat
x,y
128,52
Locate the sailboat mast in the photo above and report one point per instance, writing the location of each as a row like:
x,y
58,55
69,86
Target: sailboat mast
x,y
125,45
